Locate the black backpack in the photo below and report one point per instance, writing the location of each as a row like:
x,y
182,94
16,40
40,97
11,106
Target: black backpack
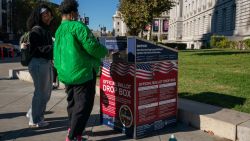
x,y
26,54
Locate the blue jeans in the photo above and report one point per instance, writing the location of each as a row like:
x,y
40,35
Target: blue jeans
x,y
41,73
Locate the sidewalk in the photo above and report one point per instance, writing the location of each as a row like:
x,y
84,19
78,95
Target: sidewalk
x,y
15,99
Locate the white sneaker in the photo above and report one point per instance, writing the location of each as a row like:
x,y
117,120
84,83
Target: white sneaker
x,y
27,115
38,125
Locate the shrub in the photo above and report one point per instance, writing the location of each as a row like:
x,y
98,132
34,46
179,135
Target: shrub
x,y
224,43
163,37
219,41
154,38
232,44
247,43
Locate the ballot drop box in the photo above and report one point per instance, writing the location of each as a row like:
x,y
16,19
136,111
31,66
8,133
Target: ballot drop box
x,y
138,86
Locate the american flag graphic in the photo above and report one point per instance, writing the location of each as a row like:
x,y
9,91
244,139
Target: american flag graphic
x,y
121,69
165,67
106,69
142,71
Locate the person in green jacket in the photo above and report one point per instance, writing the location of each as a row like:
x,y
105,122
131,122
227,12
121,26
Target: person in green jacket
x,y
77,58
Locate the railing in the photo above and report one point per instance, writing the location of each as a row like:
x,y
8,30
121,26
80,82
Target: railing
x,y
10,50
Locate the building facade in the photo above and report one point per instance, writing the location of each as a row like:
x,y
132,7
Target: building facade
x,y
4,26
159,27
193,22
119,27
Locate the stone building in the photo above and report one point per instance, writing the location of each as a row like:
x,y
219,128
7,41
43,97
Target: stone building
x,y
5,16
193,22
119,27
160,27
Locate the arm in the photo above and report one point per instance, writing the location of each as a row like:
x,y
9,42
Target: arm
x,y
36,41
90,43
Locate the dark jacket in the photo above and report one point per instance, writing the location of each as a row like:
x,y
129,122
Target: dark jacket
x,y
41,43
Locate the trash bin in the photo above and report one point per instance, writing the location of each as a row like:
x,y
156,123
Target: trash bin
x,y
138,86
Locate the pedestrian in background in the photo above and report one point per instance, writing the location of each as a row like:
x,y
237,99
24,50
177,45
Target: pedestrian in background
x,y
40,65
77,58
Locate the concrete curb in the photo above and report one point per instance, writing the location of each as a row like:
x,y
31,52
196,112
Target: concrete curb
x,y
219,121
20,73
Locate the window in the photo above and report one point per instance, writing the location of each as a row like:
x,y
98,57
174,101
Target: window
x,y
189,8
4,4
204,25
209,23
165,26
198,26
224,20
156,25
233,14
215,21
196,5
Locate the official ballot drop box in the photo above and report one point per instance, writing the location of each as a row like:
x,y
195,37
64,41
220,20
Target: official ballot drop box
x,y
138,86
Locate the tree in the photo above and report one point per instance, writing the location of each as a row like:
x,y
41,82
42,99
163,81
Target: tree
x,y
22,10
139,13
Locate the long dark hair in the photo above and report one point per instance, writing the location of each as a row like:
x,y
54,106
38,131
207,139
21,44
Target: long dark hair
x,y
35,17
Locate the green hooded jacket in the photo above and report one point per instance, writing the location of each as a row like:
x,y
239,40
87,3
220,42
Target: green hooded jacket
x,y
76,53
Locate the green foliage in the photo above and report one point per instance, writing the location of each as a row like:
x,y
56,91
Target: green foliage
x,y
223,43
247,43
232,44
219,42
163,37
139,13
22,10
154,38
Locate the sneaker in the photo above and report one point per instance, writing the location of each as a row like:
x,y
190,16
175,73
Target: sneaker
x,y
38,125
78,138
67,138
55,86
27,115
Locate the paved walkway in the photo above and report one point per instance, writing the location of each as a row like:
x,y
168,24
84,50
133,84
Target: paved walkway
x,y
15,99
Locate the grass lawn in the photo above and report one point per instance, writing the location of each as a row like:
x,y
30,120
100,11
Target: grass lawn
x,y
218,77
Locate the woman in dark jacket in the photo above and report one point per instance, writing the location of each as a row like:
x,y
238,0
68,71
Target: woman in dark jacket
x,y
40,65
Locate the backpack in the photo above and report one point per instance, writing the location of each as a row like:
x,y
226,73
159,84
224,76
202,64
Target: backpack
x,y
26,54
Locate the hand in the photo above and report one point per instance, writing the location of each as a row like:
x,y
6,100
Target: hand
x,y
24,46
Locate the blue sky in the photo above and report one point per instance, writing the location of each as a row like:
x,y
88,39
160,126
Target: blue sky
x,y
100,12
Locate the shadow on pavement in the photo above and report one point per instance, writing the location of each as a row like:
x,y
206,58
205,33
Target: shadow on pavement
x,y
57,124
169,130
119,138
12,115
102,133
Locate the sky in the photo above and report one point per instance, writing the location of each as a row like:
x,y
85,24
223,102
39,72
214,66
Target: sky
x,y
100,12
